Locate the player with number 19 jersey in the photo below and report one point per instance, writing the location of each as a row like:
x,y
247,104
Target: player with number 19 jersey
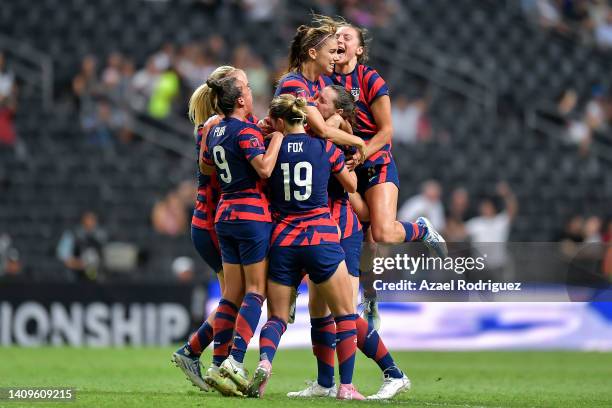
x,y
298,193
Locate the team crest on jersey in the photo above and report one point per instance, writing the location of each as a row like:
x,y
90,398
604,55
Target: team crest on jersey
x,y
255,142
355,92
300,93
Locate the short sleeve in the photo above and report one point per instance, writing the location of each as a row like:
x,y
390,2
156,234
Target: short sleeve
x,y
335,157
251,143
295,87
374,86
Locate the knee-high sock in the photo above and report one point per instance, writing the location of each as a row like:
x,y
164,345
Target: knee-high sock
x,y
223,328
200,339
246,323
323,336
370,343
346,345
269,338
414,231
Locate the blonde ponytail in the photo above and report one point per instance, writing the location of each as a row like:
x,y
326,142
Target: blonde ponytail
x,y
203,101
289,108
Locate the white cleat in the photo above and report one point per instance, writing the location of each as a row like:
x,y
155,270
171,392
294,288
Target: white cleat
x,y
190,366
224,385
433,239
314,390
391,387
235,371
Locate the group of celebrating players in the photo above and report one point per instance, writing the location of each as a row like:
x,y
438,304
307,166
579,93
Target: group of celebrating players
x,y
296,194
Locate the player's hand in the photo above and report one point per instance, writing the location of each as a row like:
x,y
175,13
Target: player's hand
x,y
362,150
265,125
353,161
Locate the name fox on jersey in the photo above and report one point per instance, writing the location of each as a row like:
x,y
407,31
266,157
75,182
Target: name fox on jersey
x,y
295,147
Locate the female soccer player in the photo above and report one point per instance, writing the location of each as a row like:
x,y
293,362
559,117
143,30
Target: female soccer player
x,y
378,178
312,55
306,238
243,224
335,102
203,114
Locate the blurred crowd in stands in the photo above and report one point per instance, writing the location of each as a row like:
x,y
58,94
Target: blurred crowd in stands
x,y
110,91
8,108
109,95
587,120
588,20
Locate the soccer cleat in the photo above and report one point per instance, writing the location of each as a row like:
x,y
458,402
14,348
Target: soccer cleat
x,y
349,392
235,371
391,387
224,385
190,366
260,379
370,312
432,238
314,390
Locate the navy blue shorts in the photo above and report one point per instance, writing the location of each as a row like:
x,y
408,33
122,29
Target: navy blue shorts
x,y
368,177
319,261
244,242
207,245
352,251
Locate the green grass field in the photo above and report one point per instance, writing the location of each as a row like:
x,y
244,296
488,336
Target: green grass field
x,y
144,377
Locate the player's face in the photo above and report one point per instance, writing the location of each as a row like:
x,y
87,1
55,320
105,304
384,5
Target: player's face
x,y
243,84
348,44
325,102
327,56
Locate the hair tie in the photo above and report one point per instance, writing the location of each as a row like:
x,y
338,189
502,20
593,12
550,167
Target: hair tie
x,y
321,42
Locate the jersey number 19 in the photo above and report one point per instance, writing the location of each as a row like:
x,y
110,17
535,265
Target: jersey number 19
x,y
298,180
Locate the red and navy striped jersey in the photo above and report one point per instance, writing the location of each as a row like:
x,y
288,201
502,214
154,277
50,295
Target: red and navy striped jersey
x,y
230,146
298,191
366,85
208,186
296,84
341,209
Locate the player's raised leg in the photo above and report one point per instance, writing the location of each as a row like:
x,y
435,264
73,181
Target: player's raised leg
x,y
382,201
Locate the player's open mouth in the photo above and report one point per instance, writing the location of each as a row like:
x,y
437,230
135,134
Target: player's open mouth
x,y
341,51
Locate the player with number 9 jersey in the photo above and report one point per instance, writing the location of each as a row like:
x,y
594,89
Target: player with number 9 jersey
x,y
243,223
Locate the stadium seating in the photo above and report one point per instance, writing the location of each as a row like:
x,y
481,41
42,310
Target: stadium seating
x,y
524,65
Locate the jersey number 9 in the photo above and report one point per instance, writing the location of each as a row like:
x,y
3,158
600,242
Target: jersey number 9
x,y
224,171
298,180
